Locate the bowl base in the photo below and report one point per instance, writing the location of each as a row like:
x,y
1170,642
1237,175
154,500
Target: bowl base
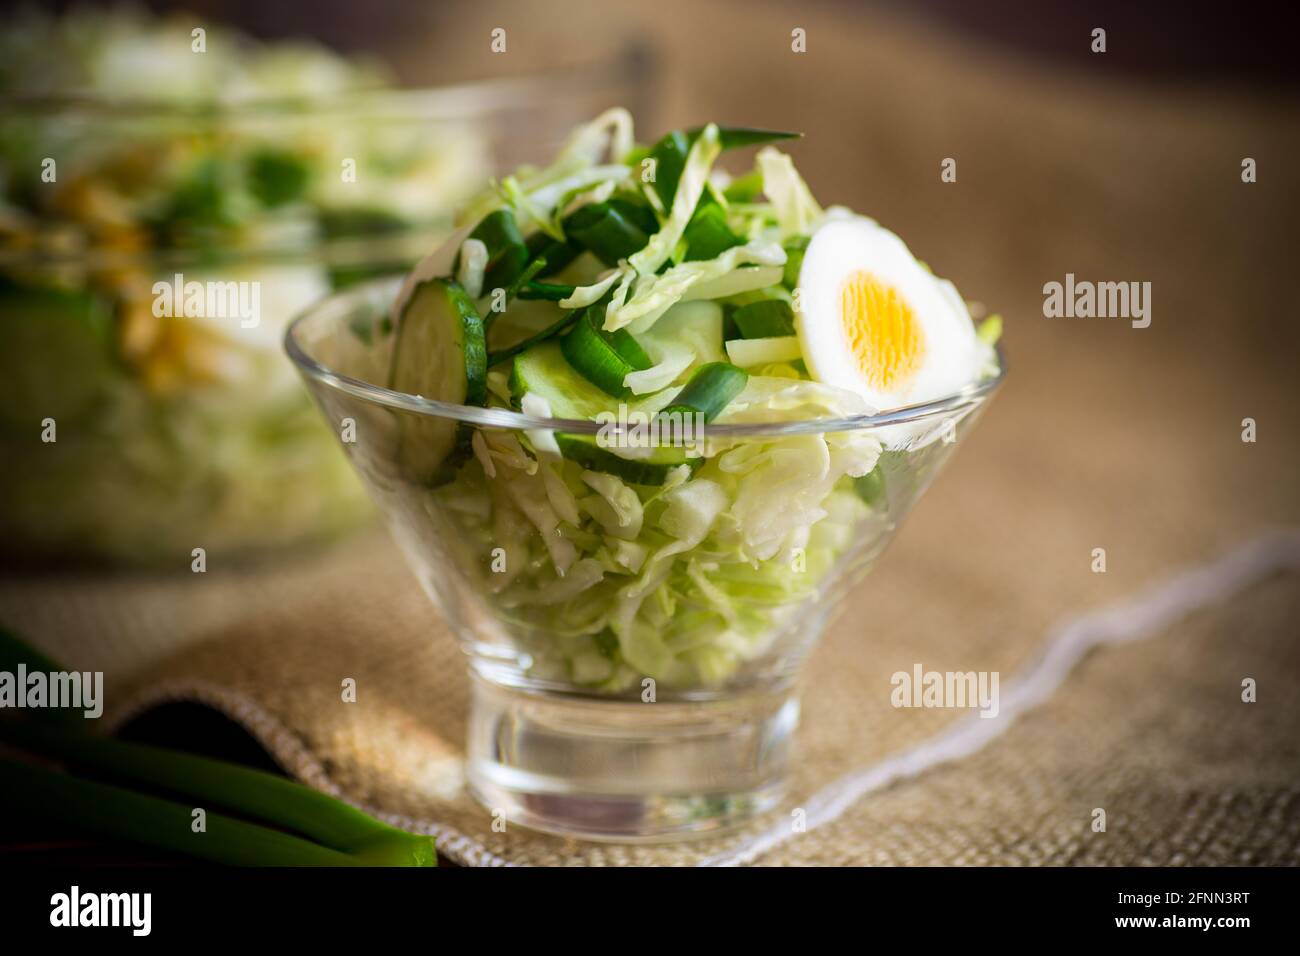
x,y
627,771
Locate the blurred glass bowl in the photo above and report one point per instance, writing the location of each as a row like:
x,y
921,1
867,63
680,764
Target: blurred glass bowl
x,y
134,437
679,718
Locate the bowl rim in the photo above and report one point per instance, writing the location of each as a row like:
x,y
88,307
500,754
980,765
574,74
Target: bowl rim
x,y
964,398
460,100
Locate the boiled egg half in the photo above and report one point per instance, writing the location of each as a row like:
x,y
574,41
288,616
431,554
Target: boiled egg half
x,y
873,320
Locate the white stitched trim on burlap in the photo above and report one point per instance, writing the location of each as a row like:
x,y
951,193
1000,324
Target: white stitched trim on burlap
x,y
1150,613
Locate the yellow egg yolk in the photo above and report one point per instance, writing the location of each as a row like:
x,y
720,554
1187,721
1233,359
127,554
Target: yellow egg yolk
x,y
884,336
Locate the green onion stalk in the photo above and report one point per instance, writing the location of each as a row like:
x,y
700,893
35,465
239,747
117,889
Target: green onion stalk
x,y
274,821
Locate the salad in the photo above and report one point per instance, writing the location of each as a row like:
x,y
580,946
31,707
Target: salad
x,y
641,287
128,157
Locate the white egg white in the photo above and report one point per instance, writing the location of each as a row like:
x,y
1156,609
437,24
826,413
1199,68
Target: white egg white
x,y
846,245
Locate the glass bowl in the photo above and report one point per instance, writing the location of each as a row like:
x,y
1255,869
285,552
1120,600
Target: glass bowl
x,y
624,700
132,437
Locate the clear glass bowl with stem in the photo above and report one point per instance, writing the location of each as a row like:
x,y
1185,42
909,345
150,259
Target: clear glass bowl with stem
x,y
580,727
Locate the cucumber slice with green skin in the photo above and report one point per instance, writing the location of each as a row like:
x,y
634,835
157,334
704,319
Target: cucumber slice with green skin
x,y
552,330
543,371
710,390
440,353
770,318
603,358
652,469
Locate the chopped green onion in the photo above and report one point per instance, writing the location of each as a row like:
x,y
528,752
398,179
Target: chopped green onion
x,y
707,235
277,177
735,137
507,252
670,152
794,262
669,155
549,291
710,390
769,318
611,230
603,358
744,188
534,268
556,253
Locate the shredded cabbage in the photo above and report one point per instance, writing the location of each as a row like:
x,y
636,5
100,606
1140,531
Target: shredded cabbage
x,y
695,176
652,296
473,263
750,352
689,580
796,209
610,132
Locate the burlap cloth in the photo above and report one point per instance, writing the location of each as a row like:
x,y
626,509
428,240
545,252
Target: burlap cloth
x,y
1104,436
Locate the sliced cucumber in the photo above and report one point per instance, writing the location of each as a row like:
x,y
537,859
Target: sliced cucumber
x,y
542,335
650,469
544,371
440,354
